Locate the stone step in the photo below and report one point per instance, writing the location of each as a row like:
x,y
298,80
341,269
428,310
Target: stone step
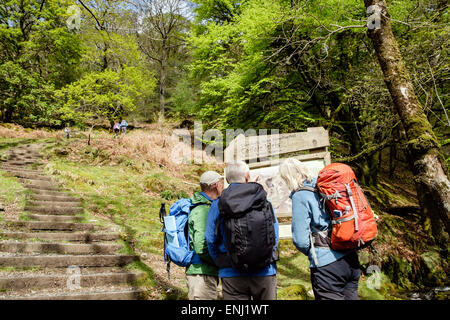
x,y
29,176
130,294
85,237
24,158
53,204
39,191
23,163
55,218
54,198
39,184
64,261
21,153
23,282
19,169
55,210
61,248
43,225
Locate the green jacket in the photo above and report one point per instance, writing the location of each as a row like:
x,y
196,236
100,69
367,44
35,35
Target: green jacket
x,y
197,242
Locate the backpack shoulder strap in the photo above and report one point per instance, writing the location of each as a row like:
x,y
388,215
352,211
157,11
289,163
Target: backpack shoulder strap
x,y
307,189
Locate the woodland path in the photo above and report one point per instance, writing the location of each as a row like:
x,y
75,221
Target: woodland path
x,y
49,252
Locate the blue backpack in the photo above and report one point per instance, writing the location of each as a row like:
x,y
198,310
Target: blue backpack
x,y
176,236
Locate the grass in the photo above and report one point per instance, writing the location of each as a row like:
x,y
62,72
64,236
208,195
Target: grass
x,y
293,273
18,269
12,193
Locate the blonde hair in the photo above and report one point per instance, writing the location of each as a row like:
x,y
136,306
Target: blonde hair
x,y
294,173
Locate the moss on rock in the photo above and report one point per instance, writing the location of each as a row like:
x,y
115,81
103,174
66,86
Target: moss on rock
x,y
295,292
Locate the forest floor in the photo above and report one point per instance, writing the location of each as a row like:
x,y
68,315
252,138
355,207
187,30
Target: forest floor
x,y
124,181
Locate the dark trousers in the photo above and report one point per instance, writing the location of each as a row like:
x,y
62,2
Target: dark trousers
x,y
248,288
338,280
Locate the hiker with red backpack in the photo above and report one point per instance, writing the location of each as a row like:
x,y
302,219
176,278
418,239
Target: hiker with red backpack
x,y
242,238
329,240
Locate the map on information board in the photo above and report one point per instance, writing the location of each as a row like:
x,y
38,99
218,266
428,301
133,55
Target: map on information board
x,y
277,191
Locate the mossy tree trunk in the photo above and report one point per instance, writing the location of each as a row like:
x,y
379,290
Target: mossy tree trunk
x,y
425,158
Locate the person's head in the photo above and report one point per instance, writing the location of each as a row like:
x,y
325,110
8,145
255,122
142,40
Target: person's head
x,y
237,172
211,183
294,173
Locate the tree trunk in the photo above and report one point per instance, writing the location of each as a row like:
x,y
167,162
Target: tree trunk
x,y
392,157
8,115
162,85
425,158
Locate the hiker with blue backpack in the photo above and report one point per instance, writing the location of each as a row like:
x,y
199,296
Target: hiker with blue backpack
x,y
123,126
242,238
185,243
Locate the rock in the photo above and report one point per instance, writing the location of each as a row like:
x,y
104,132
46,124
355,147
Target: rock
x,y
297,292
61,152
144,256
364,257
431,259
432,268
2,208
415,296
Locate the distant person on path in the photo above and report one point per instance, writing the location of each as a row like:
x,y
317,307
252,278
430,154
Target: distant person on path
x,y
124,126
202,279
242,238
68,132
116,129
334,274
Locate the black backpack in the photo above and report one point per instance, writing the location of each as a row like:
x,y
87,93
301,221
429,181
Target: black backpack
x,y
248,220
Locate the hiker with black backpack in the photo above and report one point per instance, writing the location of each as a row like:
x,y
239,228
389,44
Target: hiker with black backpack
x,y
329,241
242,238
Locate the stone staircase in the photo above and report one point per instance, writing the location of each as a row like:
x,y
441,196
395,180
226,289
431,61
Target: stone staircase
x,y
52,254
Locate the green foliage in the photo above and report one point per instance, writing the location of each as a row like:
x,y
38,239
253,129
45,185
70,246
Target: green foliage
x,y
184,98
108,94
167,195
294,64
37,55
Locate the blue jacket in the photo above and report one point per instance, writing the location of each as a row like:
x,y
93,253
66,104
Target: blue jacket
x,y
216,245
307,212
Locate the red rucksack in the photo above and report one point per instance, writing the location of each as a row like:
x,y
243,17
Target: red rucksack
x,y
353,222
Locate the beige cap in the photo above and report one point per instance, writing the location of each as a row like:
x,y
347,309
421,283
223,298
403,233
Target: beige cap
x,y
210,178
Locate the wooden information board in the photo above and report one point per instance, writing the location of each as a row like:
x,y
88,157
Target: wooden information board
x,y
264,155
